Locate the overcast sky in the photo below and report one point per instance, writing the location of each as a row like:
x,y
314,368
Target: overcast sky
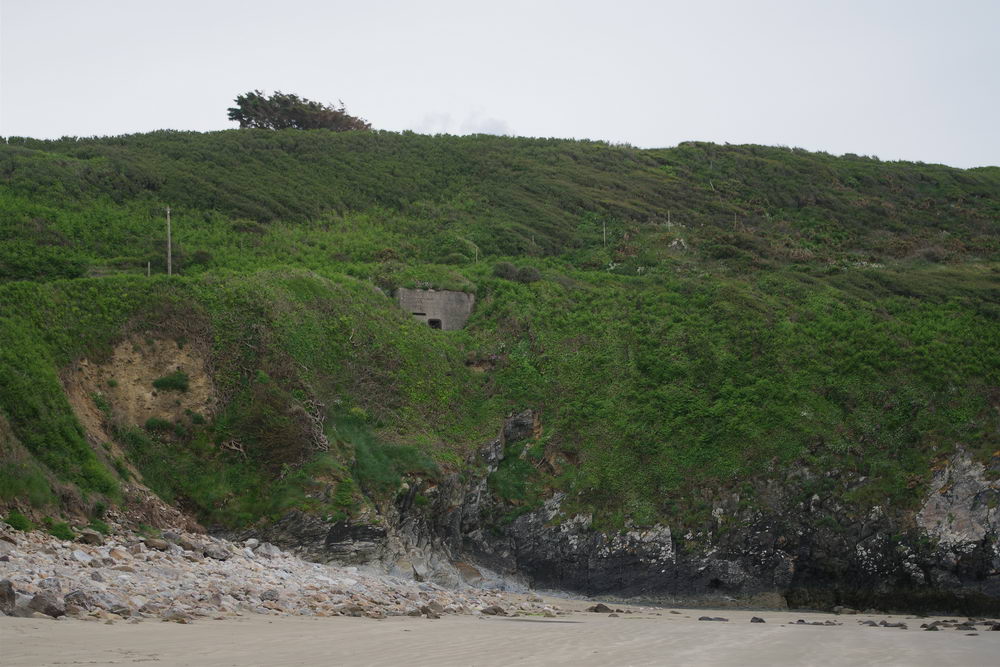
x,y
900,79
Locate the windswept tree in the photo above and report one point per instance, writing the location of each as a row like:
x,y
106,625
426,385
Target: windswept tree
x,y
282,111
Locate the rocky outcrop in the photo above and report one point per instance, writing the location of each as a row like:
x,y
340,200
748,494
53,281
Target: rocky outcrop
x,y
963,507
778,550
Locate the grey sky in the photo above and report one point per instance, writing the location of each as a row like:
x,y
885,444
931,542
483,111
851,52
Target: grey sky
x,y
903,79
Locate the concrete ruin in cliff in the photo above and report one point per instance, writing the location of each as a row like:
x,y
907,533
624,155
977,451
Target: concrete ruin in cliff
x,y
441,309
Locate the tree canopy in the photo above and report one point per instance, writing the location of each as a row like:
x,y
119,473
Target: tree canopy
x,y
283,111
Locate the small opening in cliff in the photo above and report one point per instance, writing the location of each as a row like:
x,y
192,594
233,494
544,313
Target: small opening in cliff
x,y
434,324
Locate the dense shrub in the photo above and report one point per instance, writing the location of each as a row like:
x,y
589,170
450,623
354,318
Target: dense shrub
x,y
505,270
176,381
59,529
528,274
18,521
157,424
100,526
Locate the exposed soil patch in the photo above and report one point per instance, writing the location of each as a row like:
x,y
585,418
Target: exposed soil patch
x,y
126,380
120,391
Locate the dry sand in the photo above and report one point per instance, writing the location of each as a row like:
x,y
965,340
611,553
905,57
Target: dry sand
x,y
641,638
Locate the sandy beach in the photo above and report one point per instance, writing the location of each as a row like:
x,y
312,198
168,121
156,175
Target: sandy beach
x,y
639,638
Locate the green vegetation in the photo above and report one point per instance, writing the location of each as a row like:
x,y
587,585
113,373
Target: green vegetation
x,y
176,381
18,521
100,526
59,529
158,424
687,321
284,111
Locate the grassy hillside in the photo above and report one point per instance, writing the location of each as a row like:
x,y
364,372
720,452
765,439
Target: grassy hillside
x,y
706,316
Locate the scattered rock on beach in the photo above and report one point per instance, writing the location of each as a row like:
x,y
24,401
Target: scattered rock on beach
x,y
757,619
600,608
495,610
713,618
47,603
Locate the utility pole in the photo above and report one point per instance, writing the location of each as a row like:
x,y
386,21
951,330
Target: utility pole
x,y
604,230
148,267
170,260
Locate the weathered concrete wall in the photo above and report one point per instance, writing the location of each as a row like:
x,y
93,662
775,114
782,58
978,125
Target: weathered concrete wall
x,y
441,309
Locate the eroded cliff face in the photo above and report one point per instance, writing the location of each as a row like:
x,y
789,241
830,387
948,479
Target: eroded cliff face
x,y
814,553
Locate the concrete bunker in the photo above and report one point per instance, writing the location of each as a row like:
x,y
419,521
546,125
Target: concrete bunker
x,y
439,309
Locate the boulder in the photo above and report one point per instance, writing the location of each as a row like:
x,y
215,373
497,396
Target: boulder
x,y
50,584
217,552
47,603
495,610
757,619
117,553
8,597
188,544
270,594
600,608
713,618
79,599
89,536
156,543
268,550
82,557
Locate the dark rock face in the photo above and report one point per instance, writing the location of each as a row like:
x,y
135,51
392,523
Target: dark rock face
x,y
782,551
321,541
519,427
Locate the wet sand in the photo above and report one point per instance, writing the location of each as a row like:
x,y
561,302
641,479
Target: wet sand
x,y
640,638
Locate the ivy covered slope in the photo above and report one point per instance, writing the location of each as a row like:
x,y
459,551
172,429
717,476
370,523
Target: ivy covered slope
x,y
700,320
